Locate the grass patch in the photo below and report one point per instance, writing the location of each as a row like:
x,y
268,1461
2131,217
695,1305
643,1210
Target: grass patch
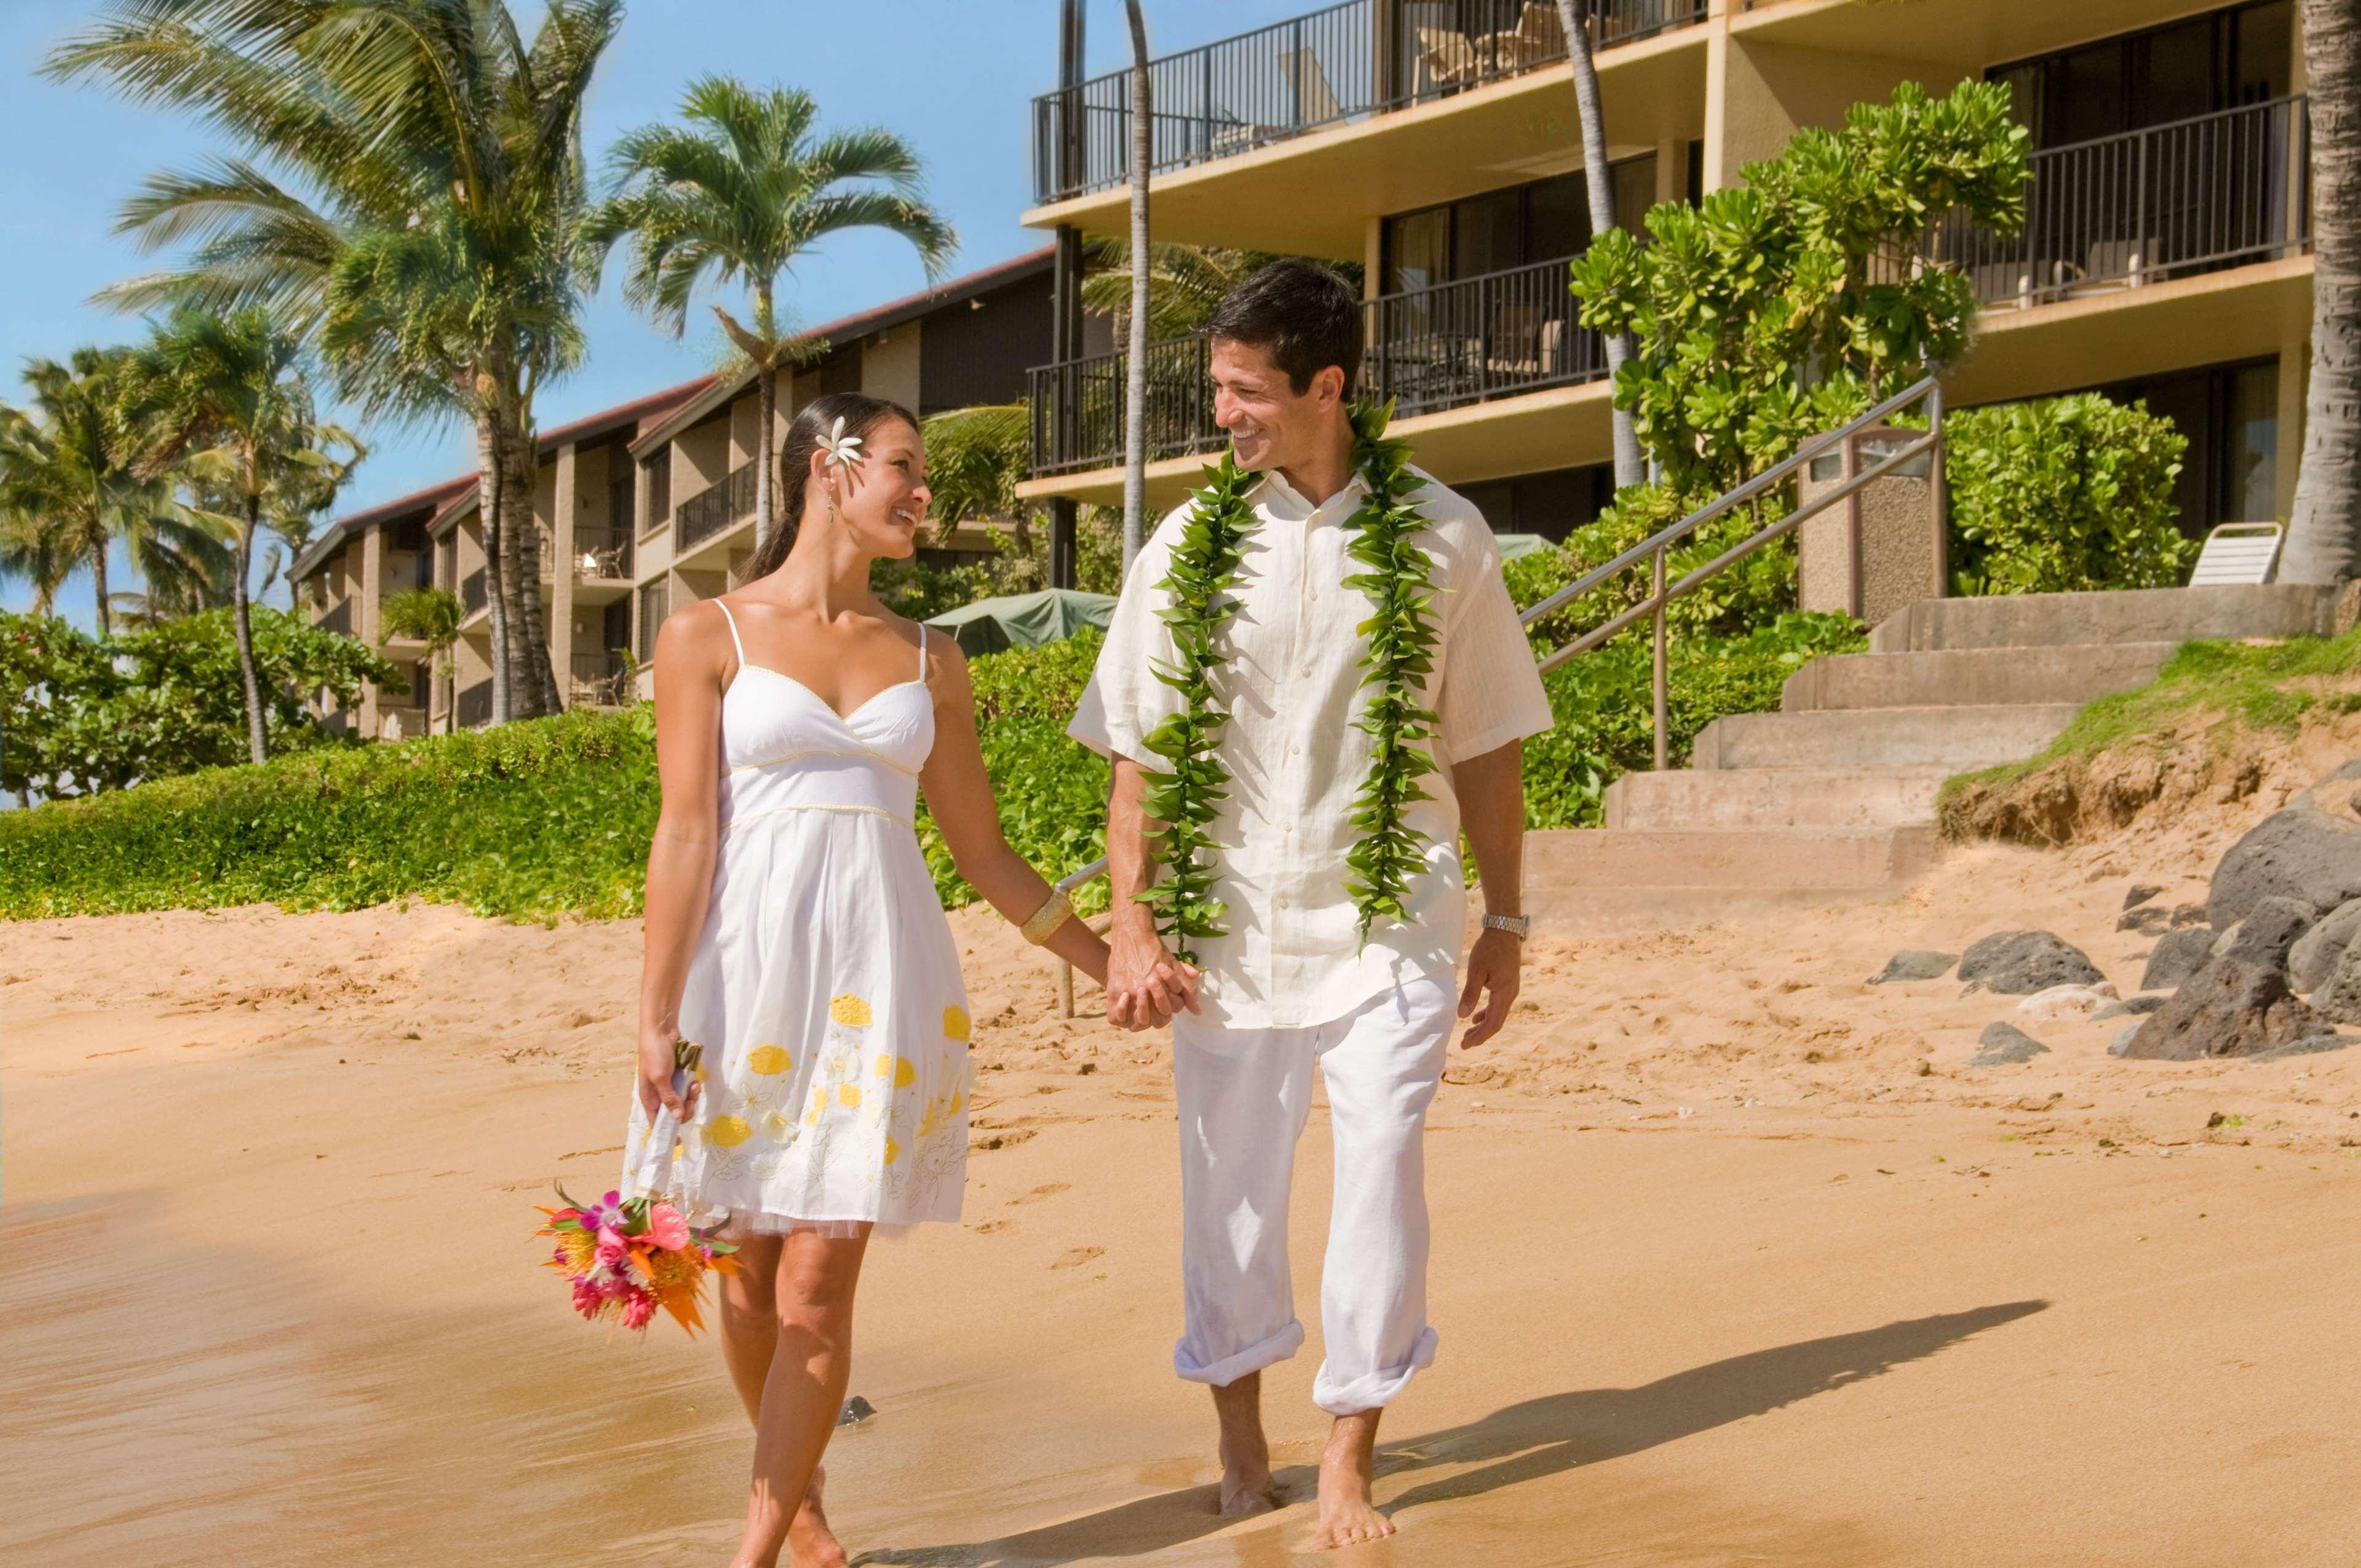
x,y
2263,688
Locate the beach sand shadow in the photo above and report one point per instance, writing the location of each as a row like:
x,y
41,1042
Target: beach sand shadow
x,y
1522,1443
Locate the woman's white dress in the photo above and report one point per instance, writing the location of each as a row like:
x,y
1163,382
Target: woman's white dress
x,y
826,987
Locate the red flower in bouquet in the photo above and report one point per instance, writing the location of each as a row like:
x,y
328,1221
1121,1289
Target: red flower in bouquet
x,y
629,1258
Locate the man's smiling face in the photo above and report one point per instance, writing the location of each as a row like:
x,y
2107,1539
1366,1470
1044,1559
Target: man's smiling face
x,y
1270,425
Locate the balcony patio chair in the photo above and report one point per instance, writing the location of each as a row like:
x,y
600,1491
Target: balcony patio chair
x,y
1536,38
1449,58
1316,102
1516,348
2119,264
2238,552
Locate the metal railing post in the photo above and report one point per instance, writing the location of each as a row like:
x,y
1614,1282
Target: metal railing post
x,y
1663,696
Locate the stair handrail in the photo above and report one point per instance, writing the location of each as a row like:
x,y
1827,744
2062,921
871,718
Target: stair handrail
x,y
1928,391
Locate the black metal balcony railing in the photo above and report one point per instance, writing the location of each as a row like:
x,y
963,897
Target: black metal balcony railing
x,y
475,704
602,553
1427,349
472,596
2222,190
339,620
1339,63
600,680
711,510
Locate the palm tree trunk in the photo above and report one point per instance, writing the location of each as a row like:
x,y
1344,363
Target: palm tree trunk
x,y
98,584
488,474
256,741
1134,391
2324,527
1629,467
536,682
766,405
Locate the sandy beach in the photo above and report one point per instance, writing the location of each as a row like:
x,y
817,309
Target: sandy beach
x,y
1737,1261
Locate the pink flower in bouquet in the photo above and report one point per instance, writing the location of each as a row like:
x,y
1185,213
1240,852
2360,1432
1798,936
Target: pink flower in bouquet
x,y
587,1299
666,1229
637,1307
611,1247
613,1285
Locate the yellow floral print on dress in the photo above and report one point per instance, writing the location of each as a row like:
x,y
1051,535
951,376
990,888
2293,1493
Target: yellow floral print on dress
x,y
956,1024
768,1060
849,1094
850,1010
728,1132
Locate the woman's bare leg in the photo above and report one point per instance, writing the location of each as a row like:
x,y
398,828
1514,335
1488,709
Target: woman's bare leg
x,y
749,1337
796,1403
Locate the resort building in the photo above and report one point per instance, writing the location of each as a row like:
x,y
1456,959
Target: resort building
x,y
650,505
1436,143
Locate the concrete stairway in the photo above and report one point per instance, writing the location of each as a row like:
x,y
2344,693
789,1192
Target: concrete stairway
x,y
1832,798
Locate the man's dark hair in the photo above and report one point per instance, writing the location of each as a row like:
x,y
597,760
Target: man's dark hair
x,y
1304,315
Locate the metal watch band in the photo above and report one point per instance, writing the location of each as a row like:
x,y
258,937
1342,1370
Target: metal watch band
x,y
1517,926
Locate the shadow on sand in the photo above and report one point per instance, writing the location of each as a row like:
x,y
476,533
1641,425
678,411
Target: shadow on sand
x,y
1527,1442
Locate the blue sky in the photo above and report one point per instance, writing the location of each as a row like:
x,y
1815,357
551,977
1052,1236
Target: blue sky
x,y
955,76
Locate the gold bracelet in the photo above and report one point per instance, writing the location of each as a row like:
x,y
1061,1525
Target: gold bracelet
x,y
1055,911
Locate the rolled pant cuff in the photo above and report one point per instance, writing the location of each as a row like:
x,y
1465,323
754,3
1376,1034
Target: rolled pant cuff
x,y
1375,1389
1251,1360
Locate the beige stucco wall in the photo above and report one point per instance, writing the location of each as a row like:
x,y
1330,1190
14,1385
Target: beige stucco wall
x,y
889,364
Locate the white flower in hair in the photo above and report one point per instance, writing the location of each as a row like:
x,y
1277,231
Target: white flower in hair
x,y
842,450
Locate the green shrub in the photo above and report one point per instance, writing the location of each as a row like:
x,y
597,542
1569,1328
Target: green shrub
x,y
2063,494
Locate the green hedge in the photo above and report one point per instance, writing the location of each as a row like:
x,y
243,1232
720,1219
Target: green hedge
x,y
551,816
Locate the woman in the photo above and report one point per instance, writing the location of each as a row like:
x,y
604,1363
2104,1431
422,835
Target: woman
x,y
794,933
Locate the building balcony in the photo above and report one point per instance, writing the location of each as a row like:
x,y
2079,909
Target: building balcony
x,y
473,707
474,595
339,618
701,523
602,554
600,680
2202,195
1429,349
1329,67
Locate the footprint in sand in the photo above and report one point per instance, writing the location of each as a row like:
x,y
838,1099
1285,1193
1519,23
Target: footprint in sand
x,y
1051,1190
1074,1257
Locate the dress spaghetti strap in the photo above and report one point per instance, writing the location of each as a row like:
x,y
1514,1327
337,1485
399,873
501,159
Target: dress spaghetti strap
x,y
734,642
922,653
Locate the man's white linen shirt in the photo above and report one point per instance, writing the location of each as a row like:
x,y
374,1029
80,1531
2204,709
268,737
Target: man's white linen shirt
x,y
1291,682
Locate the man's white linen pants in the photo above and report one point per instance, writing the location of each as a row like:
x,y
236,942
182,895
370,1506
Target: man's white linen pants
x,y
1243,1096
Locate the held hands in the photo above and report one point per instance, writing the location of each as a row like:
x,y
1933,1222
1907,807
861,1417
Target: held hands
x,y
1146,985
656,1068
1492,974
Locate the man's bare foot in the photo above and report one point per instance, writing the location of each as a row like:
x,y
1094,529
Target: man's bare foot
x,y
1246,1484
811,1543
1346,1516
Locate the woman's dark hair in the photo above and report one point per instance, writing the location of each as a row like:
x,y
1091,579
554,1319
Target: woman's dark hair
x,y
1304,315
861,414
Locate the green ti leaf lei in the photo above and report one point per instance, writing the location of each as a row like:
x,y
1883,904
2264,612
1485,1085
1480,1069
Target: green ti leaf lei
x,y
1397,578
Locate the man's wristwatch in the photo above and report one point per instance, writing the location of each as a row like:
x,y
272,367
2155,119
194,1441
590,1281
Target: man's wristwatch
x,y
1517,926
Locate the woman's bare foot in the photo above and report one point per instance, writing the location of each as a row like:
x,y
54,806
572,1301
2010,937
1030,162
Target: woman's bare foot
x,y
1246,1484
811,1543
1346,1516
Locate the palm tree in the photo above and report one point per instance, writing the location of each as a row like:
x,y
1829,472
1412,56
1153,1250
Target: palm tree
x,y
226,399
1575,21
426,228
431,616
2324,527
738,194
1135,388
69,492
1184,282
975,458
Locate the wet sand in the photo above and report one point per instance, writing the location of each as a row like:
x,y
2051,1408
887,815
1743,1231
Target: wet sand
x,y
1736,1262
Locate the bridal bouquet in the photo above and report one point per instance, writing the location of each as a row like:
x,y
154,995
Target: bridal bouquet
x,y
628,1258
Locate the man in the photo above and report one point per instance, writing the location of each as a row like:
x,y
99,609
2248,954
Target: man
x,y
1292,980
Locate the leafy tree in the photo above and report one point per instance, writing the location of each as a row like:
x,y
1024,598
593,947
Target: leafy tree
x,y
68,490
431,616
975,459
1782,308
741,193
426,230
45,664
227,399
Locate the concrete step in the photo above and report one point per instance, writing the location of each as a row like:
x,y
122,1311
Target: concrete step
x,y
1587,874
1774,797
2138,615
1956,740
1963,678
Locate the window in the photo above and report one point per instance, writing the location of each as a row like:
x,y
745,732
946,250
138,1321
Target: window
x,y
1552,504
657,465
622,493
655,603
1548,220
2231,415
2230,57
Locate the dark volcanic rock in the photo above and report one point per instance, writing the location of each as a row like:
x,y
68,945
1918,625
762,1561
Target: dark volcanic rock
x,y
2018,963
2188,915
2132,1007
2178,956
2141,892
1915,963
2339,996
2267,933
2006,1045
2149,920
2309,1046
2313,957
2309,850
2234,1008
856,1410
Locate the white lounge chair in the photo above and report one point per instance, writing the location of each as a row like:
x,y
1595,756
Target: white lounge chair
x,y
2238,552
